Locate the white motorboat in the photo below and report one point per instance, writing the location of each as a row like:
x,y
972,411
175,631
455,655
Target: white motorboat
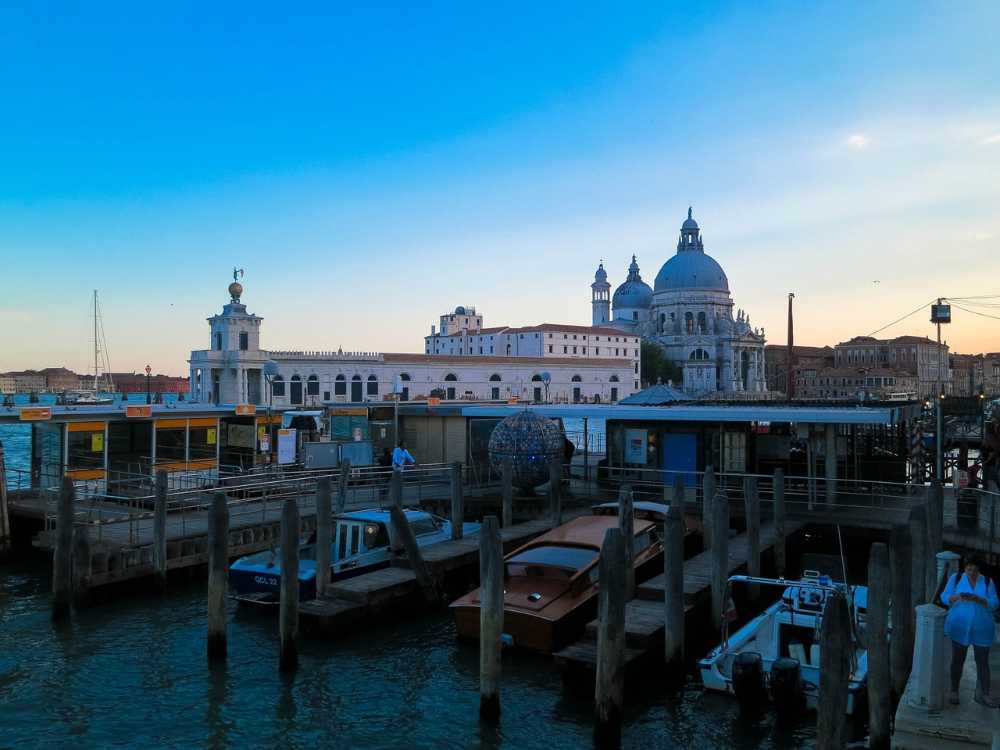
x,y
777,653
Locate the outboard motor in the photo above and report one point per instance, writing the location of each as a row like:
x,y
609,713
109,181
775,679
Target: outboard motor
x,y
748,681
786,688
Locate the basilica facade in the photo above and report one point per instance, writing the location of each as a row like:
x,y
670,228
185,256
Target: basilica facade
x,y
689,312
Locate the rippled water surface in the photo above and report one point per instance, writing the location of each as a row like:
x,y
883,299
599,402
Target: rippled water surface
x,y
133,673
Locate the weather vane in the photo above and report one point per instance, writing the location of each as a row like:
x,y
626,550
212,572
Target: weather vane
x,y
237,273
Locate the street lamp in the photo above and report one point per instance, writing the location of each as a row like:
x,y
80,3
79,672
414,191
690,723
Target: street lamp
x,y
149,371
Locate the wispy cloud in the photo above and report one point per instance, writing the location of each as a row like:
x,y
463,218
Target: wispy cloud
x,y
858,141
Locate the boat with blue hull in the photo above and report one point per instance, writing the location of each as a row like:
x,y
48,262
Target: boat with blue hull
x,y
360,544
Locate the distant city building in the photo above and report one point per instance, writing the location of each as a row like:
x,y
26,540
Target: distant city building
x,y
689,312
135,382
806,358
58,379
851,384
922,358
27,381
232,370
8,384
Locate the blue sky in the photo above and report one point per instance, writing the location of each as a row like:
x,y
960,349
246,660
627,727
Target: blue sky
x,y
372,168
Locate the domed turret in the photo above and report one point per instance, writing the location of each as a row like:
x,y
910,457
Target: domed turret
x,y
600,297
634,293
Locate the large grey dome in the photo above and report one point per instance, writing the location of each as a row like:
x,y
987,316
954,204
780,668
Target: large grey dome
x,y
692,269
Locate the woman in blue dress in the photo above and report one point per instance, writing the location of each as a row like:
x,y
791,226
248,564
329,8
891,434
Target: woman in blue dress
x,y
971,599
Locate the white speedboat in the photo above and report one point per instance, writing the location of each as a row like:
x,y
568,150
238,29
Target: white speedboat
x,y
777,653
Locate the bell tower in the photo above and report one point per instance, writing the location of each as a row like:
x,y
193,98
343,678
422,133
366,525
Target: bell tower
x,y
600,297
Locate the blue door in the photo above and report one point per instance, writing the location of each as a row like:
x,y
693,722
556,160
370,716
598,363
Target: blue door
x,y
680,454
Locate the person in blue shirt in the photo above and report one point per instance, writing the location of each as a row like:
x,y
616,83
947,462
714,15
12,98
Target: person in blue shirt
x,y
971,599
401,457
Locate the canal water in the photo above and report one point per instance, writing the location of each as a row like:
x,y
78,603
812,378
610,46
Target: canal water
x,y
133,673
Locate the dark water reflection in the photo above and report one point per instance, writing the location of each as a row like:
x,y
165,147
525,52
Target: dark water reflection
x,y
134,674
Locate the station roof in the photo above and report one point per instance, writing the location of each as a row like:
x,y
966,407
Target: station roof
x,y
72,413
711,413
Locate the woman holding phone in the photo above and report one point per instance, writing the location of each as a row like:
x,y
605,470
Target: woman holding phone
x,y
971,599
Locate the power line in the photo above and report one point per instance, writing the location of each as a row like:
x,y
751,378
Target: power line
x,y
976,312
899,320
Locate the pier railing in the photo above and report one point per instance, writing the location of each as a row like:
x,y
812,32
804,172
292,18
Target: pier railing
x,y
127,518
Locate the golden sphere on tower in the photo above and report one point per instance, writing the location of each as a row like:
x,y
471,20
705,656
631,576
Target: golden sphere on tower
x,y
235,290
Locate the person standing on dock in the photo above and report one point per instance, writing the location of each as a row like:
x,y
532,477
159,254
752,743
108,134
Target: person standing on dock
x,y
971,599
401,457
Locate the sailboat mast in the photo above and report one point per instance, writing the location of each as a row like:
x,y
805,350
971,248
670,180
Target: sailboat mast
x,y
96,390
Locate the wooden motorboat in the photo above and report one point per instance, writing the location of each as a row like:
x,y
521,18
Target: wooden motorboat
x,y
550,583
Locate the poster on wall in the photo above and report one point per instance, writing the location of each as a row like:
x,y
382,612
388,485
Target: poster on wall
x,y
286,446
241,435
635,446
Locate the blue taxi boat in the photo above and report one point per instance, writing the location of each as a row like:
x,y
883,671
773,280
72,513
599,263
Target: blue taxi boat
x,y
360,544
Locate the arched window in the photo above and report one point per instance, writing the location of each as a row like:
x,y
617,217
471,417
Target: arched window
x,y
702,323
577,379
699,354
296,389
450,378
356,388
663,322
340,385
312,386
613,379
536,378
404,390
277,386
494,378
689,322
405,377
372,385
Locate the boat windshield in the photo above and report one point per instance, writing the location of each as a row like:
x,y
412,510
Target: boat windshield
x,y
550,560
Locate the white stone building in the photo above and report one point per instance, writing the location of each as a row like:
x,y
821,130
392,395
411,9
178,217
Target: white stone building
x,y
689,312
597,365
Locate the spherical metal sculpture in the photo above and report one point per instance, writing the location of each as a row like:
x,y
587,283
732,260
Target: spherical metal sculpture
x,y
530,442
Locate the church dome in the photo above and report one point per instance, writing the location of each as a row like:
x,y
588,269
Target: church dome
x,y
634,292
692,269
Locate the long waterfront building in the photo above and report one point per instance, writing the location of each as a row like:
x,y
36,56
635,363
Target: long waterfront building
x,y
232,369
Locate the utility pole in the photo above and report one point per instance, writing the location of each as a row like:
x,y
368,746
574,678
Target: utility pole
x,y
940,313
790,376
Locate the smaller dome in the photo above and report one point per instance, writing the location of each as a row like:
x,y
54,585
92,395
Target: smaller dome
x,y
459,310
634,292
601,275
236,291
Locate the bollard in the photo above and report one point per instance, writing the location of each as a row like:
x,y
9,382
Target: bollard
x,y
751,501
62,557
490,618
396,501
919,562
780,535
218,576
876,634
673,589
555,491
403,532
288,626
507,483
324,535
901,643
160,532
457,502
719,557
81,568
609,683
707,497
946,567
834,673
345,474
935,530
930,674
626,522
